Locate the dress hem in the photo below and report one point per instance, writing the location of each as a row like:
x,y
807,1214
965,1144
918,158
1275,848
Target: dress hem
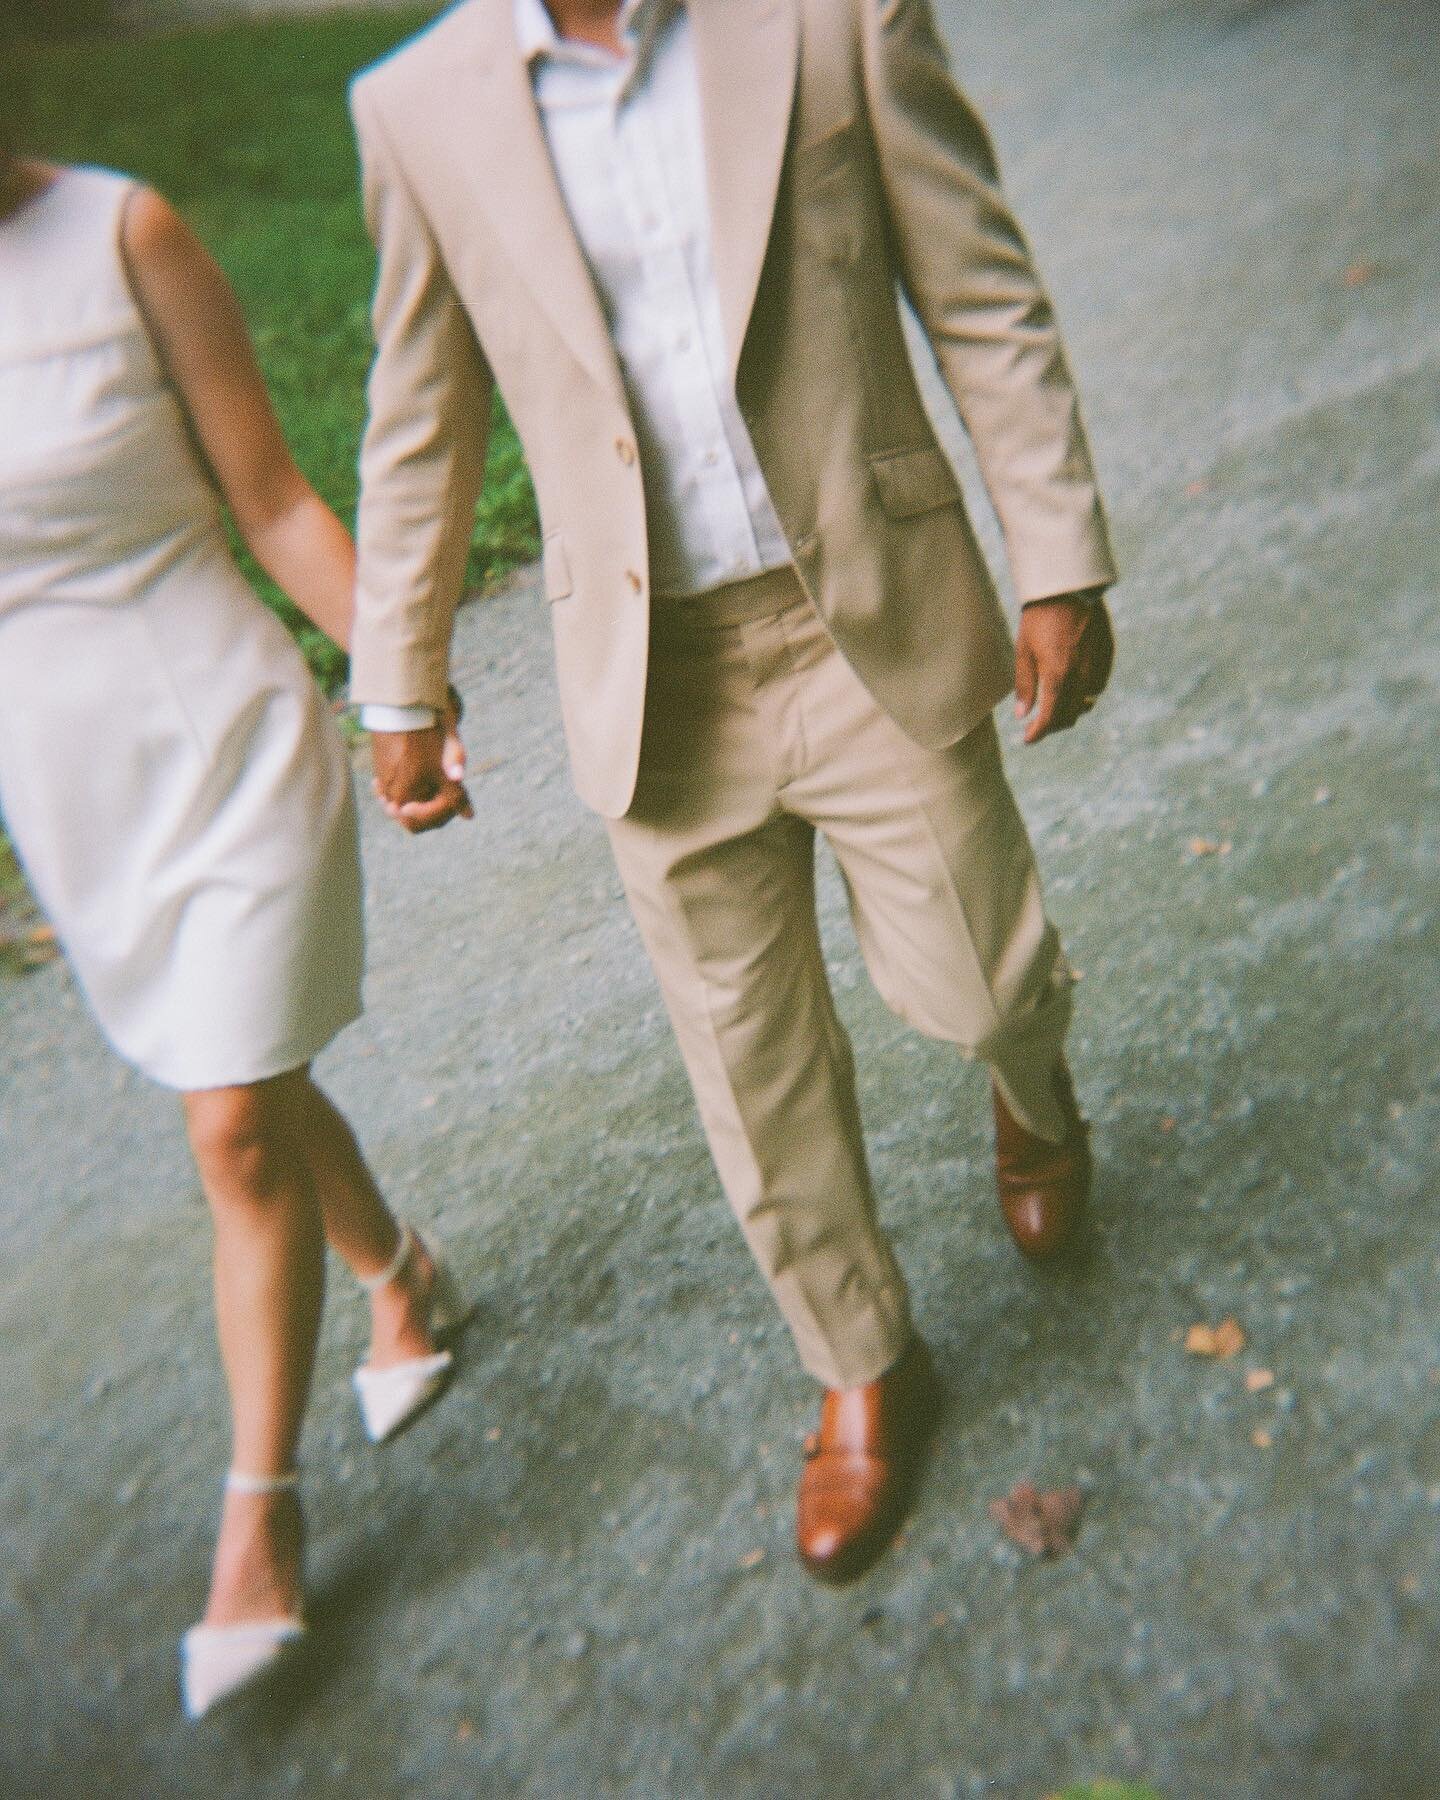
x,y
280,1062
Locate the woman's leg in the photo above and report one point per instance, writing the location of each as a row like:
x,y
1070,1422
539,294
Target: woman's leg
x,y
269,1285
359,1226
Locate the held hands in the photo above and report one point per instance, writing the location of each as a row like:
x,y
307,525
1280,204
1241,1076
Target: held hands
x,y
1063,655
419,775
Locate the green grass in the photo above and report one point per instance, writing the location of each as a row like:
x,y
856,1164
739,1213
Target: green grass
x,y
12,883
1107,1790
244,127
18,914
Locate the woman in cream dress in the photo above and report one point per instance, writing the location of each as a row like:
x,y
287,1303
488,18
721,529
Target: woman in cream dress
x,y
182,804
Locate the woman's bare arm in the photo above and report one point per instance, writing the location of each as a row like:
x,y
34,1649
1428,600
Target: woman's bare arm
x,y
201,338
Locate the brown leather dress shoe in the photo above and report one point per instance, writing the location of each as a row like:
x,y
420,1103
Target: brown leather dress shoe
x,y
861,1466
1043,1187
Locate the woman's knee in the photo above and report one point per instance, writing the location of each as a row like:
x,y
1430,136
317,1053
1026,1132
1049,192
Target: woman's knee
x,y
240,1138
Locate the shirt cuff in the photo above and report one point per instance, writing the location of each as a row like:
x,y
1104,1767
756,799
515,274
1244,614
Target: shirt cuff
x,y
375,716
1088,595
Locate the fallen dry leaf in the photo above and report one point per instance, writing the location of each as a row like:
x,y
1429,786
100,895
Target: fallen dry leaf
x,y
1221,1341
752,1559
1257,1380
1208,847
1043,1522
1261,1438
1195,489
1359,273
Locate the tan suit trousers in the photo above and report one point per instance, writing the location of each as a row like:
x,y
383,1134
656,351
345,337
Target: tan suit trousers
x,y
758,734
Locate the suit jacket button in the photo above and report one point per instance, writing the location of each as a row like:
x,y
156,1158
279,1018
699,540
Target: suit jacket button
x,y
625,450
637,586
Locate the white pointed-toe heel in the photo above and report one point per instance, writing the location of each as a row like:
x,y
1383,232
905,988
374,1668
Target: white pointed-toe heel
x,y
218,1660
391,1397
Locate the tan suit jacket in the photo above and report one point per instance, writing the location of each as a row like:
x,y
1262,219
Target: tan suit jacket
x,y
842,162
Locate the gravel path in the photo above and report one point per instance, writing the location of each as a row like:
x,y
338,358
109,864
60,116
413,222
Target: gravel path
x,y
573,1577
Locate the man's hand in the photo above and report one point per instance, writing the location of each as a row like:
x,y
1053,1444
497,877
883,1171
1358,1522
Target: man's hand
x,y
1063,656
417,776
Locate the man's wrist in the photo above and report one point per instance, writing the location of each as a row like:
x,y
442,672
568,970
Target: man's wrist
x,y
375,715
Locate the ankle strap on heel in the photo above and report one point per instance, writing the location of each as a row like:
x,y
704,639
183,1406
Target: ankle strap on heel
x,y
395,1266
238,1482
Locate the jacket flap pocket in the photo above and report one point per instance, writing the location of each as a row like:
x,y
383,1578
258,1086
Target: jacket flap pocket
x,y
556,567
914,481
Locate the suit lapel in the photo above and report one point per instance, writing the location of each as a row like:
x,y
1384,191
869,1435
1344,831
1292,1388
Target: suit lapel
x,y
506,160
746,55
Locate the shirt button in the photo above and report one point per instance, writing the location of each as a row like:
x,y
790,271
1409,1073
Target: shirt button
x,y
637,586
710,458
625,450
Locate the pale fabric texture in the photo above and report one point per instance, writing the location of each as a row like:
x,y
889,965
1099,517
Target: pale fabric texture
x,y
758,735
840,161
178,794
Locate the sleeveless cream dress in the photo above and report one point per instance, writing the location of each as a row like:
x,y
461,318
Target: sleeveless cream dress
x,y
169,772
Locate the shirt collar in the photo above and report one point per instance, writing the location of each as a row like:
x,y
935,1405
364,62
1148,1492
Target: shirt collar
x,y
537,37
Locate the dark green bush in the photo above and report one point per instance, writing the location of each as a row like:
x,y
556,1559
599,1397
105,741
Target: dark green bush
x,y
56,18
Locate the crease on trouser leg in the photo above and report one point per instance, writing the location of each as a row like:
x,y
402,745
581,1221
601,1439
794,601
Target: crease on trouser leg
x,y
949,919
1023,1058
773,1078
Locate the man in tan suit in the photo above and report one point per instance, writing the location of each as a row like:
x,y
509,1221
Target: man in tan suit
x,y
673,232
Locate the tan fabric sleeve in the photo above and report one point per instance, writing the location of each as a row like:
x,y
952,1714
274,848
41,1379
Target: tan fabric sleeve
x,y
422,461
968,272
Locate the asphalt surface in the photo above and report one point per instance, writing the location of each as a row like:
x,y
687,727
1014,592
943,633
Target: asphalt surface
x,y
573,1577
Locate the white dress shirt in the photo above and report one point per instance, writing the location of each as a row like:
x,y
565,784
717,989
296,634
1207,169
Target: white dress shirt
x,y
624,137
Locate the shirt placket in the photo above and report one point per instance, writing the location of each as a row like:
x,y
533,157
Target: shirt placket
x,y
708,498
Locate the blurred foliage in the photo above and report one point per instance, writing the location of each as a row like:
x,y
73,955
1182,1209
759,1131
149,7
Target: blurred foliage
x,y
55,18
1107,1790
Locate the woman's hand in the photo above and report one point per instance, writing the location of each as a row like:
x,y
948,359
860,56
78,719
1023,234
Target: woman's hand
x,y
452,751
